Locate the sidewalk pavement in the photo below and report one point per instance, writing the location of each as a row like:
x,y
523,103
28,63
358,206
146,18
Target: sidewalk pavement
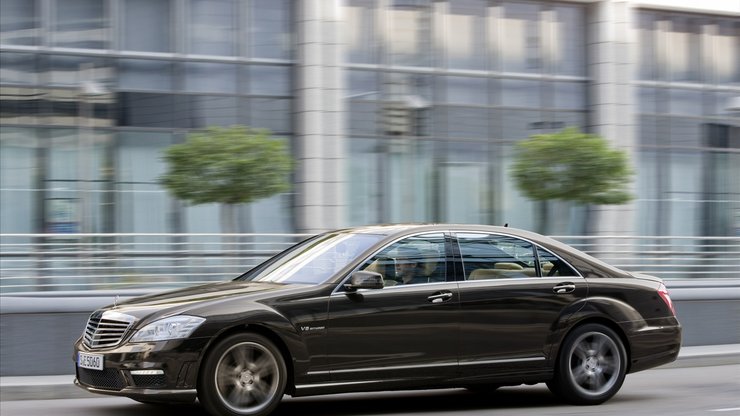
x,y
62,387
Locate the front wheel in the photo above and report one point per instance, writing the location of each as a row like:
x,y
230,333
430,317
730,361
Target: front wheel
x,y
244,375
591,366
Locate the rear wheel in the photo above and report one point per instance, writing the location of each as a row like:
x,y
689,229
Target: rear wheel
x,y
591,366
244,375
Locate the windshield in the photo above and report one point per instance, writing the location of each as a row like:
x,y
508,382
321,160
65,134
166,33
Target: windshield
x,y
313,261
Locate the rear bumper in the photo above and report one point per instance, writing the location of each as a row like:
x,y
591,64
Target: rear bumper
x,y
653,346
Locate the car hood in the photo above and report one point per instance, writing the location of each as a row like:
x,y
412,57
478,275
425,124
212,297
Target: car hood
x,y
181,300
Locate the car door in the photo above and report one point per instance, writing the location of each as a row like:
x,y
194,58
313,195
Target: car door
x,y
509,310
406,330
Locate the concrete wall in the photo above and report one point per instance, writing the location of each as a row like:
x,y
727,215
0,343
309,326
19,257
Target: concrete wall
x,y
37,332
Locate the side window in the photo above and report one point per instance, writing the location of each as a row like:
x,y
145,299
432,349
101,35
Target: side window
x,y
491,256
551,265
413,260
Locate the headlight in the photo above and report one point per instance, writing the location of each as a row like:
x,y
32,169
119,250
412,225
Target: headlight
x,y
175,327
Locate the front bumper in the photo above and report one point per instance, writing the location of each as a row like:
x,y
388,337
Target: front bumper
x,y
172,370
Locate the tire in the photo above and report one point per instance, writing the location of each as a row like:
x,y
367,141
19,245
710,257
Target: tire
x,y
243,375
591,366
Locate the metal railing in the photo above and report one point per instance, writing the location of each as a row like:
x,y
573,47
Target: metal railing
x,y
53,262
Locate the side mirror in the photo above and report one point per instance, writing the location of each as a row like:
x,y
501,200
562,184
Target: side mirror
x,y
364,280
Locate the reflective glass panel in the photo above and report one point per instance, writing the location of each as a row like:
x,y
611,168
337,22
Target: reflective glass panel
x,y
465,43
213,111
409,42
18,68
212,27
19,22
269,80
271,28
210,77
80,24
18,169
273,114
413,260
490,256
464,90
520,49
142,74
520,93
360,29
147,25
569,41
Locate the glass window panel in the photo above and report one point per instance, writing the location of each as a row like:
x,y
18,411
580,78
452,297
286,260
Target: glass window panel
x,y
646,45
464,182
563,119
362,85
684,39
360,26
465,43
363,117
271,29
18,169
685,131
363,189
569,41
727,52
74,70
273,114
143,205
520,49
520,93
570,95
270,80
409,42
551,265
464,90
647,100
20,105
19,22
146,110
147,25
18,68
80,24
413,260
213,27
210,77
520,124
490,256
213,111
688,102
467,122
142,74
409,173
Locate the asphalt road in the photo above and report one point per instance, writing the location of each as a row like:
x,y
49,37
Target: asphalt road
x,y
672,391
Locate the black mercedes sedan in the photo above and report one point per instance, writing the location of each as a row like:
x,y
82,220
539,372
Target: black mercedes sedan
x,y
387,308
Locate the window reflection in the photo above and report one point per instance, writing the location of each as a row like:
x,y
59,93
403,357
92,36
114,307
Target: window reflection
x,y
520,51
409,42
19,22
466,38
146,25
271,28
360,29
269,80
210,77
80,24
212,27
273,114
142,74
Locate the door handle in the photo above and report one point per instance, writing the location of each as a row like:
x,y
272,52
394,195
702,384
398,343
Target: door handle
x,y
562,288
440,297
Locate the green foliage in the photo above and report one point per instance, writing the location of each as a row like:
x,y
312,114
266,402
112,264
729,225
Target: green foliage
x,y
229,165
572,166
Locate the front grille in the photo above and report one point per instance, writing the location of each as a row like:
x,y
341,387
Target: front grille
x,y
106,329
108,379
154,380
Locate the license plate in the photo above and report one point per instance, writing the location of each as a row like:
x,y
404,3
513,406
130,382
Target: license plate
x,y
91,361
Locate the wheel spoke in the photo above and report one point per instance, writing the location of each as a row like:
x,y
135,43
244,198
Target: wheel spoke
x,y
579,375
581,352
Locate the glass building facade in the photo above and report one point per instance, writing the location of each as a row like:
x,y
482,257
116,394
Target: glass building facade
x,y
434,96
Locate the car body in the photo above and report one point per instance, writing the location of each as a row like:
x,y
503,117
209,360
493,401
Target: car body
x,y
385,308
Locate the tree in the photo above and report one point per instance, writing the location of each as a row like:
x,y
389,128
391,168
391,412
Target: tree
x,y
227,165
571,166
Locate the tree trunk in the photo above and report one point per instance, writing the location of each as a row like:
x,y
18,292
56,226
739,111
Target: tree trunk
x,y
228,241
543,208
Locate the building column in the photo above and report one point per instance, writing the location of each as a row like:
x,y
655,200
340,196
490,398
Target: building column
x,y
320,201
612,53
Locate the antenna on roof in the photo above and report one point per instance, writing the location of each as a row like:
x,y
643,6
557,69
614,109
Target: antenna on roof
x,y
506,225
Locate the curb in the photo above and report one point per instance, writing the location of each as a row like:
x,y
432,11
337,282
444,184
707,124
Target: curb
x,y
62,386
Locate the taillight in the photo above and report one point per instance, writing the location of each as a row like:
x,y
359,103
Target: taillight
x,y
663,292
